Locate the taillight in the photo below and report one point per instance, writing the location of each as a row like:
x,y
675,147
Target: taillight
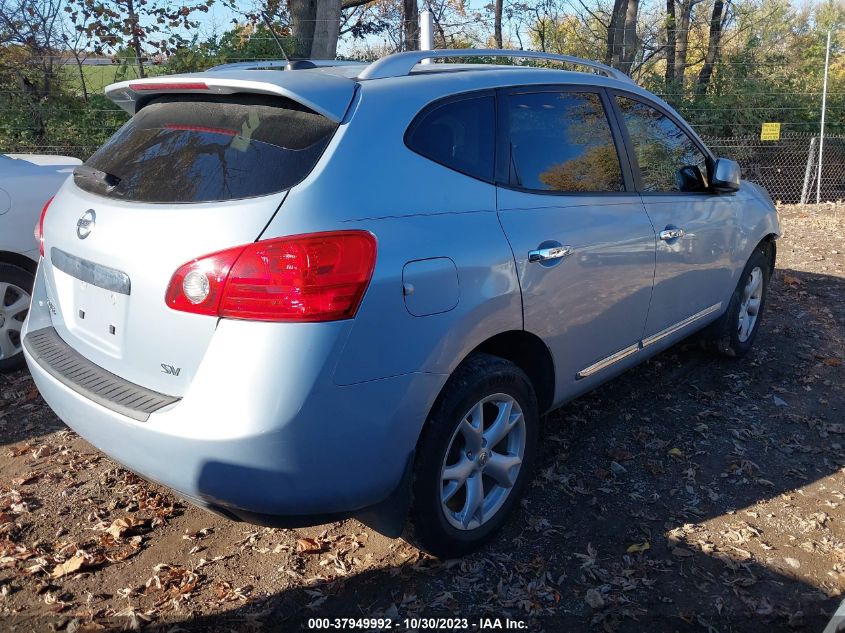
x,y
39,228
312,277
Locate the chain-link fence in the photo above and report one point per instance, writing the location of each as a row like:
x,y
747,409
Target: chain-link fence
x,y
788,168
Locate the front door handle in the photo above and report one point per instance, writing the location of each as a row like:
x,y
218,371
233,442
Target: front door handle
x,y
671,234
552,252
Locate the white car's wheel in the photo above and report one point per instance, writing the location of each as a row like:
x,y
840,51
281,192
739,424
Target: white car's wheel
x,y
15,296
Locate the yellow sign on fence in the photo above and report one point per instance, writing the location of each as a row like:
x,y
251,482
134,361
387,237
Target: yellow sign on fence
x,y
770,132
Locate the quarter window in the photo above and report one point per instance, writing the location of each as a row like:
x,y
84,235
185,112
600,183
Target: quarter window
x,y
458,134
562,141
668,158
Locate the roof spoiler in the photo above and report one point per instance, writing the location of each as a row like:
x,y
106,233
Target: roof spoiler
x,y
283,64
326,94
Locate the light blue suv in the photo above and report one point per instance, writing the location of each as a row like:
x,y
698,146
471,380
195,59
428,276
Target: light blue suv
x,y
296,295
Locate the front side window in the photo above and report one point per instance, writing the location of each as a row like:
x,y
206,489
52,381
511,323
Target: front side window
x,y
669,160
562,141
458,134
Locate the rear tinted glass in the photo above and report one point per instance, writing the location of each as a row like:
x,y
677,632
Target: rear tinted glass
x,y
458,134
181,149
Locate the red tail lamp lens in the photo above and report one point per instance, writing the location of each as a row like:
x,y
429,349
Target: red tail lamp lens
x,y
39,228
313,277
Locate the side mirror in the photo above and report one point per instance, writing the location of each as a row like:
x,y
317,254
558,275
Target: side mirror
x,y
726,176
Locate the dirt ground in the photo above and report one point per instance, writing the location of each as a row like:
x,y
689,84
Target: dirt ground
x,y
694,493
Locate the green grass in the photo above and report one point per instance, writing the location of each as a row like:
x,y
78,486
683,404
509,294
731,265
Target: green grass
x,y
98,77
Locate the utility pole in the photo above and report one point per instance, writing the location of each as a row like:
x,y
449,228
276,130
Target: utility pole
x,y
821,132
426,33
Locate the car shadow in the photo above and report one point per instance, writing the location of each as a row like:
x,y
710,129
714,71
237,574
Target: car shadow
x,y
692,493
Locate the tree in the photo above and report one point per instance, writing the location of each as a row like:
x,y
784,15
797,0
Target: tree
x,y
74,34
411,24
671,40
34,26
716,24
682,38
629,37
497,23
29,35
142,25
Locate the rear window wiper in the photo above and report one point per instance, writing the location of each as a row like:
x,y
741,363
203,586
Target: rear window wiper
x,y
96,176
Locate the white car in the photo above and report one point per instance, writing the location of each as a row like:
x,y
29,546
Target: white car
x,y
27,183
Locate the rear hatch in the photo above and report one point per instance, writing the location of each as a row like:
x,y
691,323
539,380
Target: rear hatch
x,y
190,174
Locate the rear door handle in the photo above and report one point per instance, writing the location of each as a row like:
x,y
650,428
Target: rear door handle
x,y
546,254
671,234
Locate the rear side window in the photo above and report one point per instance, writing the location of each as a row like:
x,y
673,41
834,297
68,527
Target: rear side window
x,y
562,141
181,148
458,134
668,158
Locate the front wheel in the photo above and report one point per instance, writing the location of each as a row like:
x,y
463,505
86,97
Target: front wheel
x,y
474,458
734,333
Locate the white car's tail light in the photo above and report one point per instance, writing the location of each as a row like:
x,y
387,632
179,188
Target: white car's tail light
x,y
39,228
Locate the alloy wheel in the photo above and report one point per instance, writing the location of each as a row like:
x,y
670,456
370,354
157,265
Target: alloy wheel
x,y
749,308
483,461
14,304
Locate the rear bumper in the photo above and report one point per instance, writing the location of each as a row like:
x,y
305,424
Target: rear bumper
x,y
343,452
263,431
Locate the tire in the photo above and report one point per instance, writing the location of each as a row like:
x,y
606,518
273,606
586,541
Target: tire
x,y
15,286
731,335
449,529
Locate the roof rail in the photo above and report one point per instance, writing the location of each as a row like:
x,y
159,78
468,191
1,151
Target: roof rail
x,y
260,64
401,64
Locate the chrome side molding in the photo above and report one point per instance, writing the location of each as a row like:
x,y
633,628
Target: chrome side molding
x,y
651,340
607,362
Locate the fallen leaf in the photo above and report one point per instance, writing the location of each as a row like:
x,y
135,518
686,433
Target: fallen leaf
x,y
681,552
120,527
594,599
69,566
308,546
792,281
21,481
638,547
676,452
17,451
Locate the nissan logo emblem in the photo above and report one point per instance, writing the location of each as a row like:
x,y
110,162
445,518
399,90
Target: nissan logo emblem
x,y
85,224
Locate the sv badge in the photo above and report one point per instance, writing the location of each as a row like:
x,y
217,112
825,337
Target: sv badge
x,y
170,370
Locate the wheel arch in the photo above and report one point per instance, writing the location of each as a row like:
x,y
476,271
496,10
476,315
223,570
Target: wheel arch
x,y
21,261
528,352
769,246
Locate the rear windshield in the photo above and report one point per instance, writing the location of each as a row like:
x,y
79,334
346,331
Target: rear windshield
x,y
181,148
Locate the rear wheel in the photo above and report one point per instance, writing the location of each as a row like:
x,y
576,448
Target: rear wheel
x,y
15,295
474,458
734,334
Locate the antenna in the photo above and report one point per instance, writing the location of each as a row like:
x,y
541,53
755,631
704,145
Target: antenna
x,y
296,64
269,24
